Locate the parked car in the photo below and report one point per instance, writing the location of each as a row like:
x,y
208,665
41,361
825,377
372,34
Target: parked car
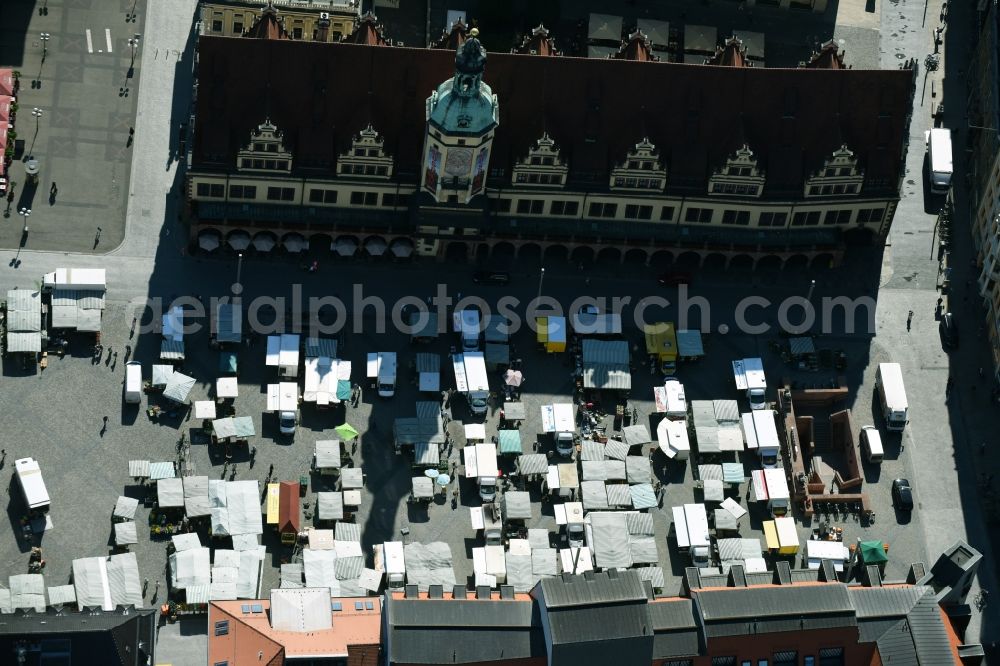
x,y
949,331
491,277
673,278
902,494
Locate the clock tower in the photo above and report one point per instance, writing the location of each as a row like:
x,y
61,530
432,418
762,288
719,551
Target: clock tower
x,y
462,116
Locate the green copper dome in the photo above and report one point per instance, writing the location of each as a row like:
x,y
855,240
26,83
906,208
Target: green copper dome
x,y
463,104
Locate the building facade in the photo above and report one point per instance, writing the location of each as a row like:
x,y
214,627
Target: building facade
x,y
533,154
983,154
310,20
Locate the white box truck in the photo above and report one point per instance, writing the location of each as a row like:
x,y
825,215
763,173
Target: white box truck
x,y
133,382
940,158
892,395
481,464
749,376
81,279
871,444
389,560
760,432
381,373
670,399
283,399
770,485
691,530
560,421
29,477
466,325
672,438
570,515
471,380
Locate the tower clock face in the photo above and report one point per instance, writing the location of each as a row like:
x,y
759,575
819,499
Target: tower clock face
x,y
459,162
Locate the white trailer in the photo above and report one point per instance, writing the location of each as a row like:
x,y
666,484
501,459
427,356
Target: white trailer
x,y
471,380
939,154
486,519
770,485
560,420
381,373
283,399
691,530
672,438
29,476
892,395
81,279
570,514
748,374
466,325
390,561
283,354
480,463
760,432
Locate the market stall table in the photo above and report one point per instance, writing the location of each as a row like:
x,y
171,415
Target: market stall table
x,y
227,387
636,435
423,488
509,442
643,496
734,508
178,387
352,498
327,455
125,508
710,472
590,450
351,477
714,491
637,469
618,494
615,449
532,463
733,472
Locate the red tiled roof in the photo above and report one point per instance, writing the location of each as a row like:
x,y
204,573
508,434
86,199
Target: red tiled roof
x,y
595,110
636,47
732,54
829,56
267,26
368,32
537,43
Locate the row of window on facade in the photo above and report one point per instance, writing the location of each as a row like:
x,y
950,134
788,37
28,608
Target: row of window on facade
x,y
559,208
830,656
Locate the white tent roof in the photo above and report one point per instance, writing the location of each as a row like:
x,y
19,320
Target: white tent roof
x,y
300,610
328,454
236,508
178,387
125,507
123,578
196,496
90,577
125,533
190,568
186,541
320,569
62,594
170,492
28,591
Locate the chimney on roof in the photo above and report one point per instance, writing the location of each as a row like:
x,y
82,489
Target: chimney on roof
x,y
567,577
411,592
483,592
435,592
692,579
506,591
588,575
737,576
784,573
613,574
647,585
458,592
873,577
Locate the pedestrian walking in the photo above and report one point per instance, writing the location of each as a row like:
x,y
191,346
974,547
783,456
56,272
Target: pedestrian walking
x,y
909,320
145,586
97,237
270,471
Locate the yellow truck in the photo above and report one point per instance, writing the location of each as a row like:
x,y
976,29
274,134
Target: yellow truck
x,y
661,345
781,536
551,333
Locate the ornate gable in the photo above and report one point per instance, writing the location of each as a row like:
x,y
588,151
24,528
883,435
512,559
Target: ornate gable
x,y
369,32
641,170
367,157
454,37
265,151
636,47
732,54
741,176
537,43
267,25
829,56
543,166
839,176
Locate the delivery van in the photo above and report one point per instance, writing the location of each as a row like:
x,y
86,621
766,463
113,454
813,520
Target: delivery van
x,y
133,382
871,444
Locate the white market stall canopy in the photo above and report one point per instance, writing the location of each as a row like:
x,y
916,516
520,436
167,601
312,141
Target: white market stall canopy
x,y
328,454
235,507
24,321
27,591
606,365
178,387
196,496
107,582
78,308
170,493
190,568
323,380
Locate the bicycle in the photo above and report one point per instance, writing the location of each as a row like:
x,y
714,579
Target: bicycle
x,y
982,598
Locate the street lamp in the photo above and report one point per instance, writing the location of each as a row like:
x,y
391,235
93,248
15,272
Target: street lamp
x,y
134,43
812,285
37,113
45,39
239,268
541,278
25,212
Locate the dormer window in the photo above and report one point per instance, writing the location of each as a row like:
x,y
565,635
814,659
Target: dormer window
x,y
542,166
366,157
740,177
840,176
265,151
641,170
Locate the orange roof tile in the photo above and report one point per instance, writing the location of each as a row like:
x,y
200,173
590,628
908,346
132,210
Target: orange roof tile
x,y
250,633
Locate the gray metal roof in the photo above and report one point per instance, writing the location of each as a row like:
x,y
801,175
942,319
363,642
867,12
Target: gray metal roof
x,y
676,632
24,342
896,646
774,602
471,613
317,347
428,362
928,632
881,602
870,631
586,590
